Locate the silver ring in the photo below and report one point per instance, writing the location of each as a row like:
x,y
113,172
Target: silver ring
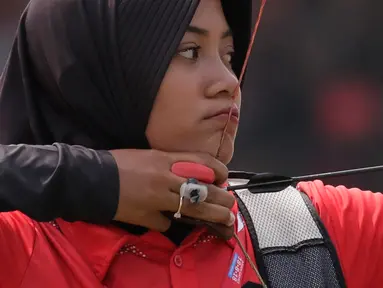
x,y
192,190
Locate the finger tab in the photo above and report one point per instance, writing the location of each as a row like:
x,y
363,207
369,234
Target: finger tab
x,y
194,170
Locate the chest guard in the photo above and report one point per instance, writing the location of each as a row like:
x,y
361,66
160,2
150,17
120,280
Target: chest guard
x,y
291,244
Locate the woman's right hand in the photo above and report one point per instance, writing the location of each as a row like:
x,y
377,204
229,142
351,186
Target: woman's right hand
x,y
148,187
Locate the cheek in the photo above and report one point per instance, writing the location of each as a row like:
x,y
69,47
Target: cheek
x,y
173,119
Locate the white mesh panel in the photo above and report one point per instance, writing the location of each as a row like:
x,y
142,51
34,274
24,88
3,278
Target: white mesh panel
x,y
281,219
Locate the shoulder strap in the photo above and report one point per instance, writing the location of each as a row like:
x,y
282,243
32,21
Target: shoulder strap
x,y
289,239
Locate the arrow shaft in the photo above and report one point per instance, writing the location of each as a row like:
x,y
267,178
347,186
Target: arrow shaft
x,y
339,173
255,185
308,177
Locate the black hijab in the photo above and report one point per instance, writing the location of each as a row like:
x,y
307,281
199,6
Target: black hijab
x,y
86,72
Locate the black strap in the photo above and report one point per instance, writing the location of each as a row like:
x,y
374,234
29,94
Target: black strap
x,y
327,240
259,254
254,239
252,285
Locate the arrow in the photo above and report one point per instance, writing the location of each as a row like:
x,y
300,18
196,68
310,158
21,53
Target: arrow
x,y
266,182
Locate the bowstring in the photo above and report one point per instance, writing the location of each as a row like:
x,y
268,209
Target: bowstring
x,y
235,94
245,63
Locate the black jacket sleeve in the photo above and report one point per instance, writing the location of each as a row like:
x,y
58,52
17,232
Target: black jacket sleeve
x,y
59,181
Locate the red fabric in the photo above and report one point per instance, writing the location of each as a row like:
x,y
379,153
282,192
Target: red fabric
x,y
87,256
354,221
90,256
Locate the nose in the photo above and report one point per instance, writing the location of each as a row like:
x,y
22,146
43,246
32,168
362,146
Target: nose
x,y
221,81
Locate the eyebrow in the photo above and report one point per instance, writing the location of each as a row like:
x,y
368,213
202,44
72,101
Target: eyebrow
x,y
204,32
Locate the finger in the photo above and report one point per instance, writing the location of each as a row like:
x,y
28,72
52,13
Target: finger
x,y
208,212
220,197
155,221
170,202
202,211
175,182
220,230
220,170
215,194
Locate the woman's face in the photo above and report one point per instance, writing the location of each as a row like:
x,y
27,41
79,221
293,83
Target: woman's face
x,y
191,108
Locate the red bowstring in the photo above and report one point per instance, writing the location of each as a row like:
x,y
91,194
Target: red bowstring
x,y
236,90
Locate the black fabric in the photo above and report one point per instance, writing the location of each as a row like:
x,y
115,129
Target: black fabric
x,y
34,180
252,285
311,266
327,240
86,72
176,233
310,263
239,17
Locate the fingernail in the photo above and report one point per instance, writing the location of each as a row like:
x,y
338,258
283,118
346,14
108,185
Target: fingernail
x,y
231,220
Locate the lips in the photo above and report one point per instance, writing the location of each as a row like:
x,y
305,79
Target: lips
x,y
225,112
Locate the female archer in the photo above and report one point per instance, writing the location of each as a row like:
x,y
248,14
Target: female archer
x,y
147,86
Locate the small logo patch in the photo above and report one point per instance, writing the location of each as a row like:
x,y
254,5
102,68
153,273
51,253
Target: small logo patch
x,y
236,268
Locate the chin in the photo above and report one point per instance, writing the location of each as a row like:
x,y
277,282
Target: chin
x,y
226,153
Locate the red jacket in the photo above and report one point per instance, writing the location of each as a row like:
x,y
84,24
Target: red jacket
x,y
36,254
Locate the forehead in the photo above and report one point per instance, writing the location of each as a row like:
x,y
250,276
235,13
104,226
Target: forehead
x,y
209,14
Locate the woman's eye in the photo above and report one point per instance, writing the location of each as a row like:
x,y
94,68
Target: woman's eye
x,y
190,53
